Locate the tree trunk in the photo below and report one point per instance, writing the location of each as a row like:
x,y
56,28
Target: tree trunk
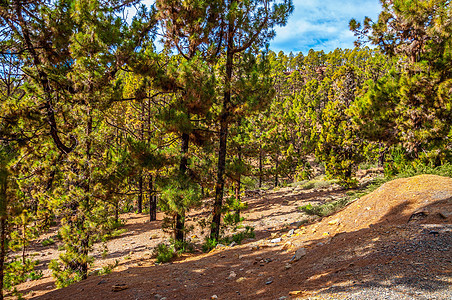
x,y
180,216
140,194
152,200
2,251
84,243
276,171
260,166
3,224
224,126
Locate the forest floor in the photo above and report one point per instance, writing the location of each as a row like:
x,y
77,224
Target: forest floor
x,y
395,243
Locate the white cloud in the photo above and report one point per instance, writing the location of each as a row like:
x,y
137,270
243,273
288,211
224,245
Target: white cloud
x,y
322,25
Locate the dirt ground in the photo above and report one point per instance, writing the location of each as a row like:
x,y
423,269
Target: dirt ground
x,y
395,243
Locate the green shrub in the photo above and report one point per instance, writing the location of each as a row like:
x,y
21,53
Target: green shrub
x,y
48,242
164,253
63,277
16,272
209,244
182,247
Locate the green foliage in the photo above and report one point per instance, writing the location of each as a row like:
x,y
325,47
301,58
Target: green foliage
x,y
238,237
209,244
47,242
64,277
17,272
164,253
232,209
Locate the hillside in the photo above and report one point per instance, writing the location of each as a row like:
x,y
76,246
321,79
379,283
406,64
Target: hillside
x,y
395,242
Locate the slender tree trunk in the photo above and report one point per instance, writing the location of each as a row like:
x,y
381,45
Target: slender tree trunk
x,y
117,212
180,217
276,171
84,243
2,251
140,194
24,227
239,157
152,200
224,126
260,166
3,224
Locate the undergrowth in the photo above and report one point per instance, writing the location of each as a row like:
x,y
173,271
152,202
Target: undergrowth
x,y
238,238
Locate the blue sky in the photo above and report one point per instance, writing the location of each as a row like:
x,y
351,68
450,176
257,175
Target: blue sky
x,y
322,25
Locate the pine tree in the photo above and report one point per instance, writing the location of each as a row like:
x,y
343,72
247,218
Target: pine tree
x,y
417,34
248,26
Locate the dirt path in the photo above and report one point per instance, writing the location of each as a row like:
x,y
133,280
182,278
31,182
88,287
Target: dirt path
x,y
395,243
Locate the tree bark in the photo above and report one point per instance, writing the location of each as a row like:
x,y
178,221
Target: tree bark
x,y
180,216
224,126
152,200
140,194
2,251
260,166
276,171
3,224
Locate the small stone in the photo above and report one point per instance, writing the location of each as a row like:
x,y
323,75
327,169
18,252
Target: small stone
x,y
299,253
287,245
294,293
214,297
269,281
232,275
241,256
445,214
119,287
333,222
287,266
277,240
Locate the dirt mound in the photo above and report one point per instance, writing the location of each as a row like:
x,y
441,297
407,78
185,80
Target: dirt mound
x,y
424,199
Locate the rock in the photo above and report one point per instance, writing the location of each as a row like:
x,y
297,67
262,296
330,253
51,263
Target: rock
x,y
287,266
232,275
294,293
445,214
232,244
254,247
119,287
333,222
277,240
299,254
